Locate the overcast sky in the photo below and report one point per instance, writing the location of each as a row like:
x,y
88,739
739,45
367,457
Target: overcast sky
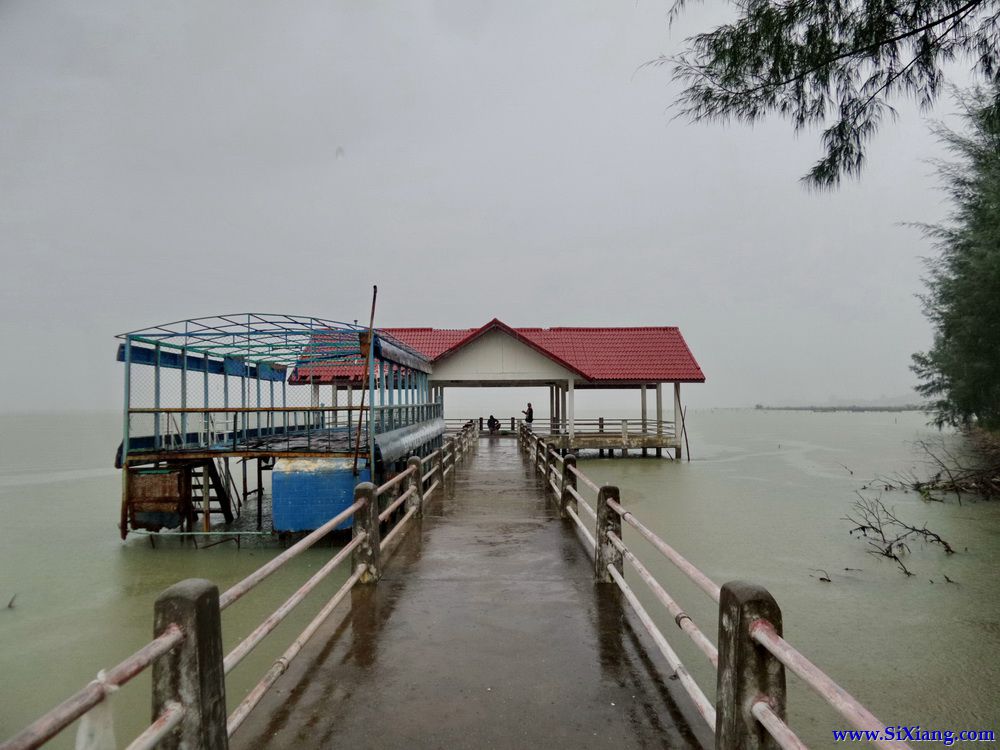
x,y
172,159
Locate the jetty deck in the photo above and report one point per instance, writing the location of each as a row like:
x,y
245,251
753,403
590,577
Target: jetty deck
x,y
478,619
486,630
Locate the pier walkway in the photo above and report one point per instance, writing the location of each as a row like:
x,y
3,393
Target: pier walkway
x,y
486,630
477,619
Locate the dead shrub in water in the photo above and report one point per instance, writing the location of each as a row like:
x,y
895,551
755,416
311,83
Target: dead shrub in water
x,y
887,535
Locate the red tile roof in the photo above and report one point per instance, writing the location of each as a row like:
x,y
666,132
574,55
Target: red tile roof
x,y
599,355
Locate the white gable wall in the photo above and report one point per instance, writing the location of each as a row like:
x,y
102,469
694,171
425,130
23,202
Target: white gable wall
x,y
496,357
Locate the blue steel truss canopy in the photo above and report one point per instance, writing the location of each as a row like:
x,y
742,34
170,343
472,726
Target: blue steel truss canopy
x,y
211,389
276,341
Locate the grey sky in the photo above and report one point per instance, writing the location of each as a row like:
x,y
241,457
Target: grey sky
x,y
172,159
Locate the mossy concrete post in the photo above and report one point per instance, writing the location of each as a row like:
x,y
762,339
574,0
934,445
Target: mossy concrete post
x,y
191,674
550,450
366,554
747,671
537,454
416,483
441,466
607,520
566,498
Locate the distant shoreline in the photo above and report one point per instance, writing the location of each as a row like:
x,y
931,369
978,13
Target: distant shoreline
x,y
904,407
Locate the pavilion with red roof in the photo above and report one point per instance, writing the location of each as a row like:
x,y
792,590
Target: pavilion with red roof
x,y
564,359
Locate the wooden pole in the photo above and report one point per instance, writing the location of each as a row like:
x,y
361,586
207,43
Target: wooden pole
x,y
364,381
678,419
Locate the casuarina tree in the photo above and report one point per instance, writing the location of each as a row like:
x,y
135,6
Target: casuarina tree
x,y
961,371
835,64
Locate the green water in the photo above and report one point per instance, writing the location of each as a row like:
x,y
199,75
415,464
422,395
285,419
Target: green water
x,y
84,599
762,500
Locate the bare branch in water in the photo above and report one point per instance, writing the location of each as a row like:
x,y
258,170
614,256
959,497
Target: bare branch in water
x,y
886,533
975,474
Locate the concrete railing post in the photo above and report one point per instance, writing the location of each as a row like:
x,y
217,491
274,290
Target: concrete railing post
x,y
366,554
566,498
537,453
416,500
607,520
440,465
747,671
192,673
549,461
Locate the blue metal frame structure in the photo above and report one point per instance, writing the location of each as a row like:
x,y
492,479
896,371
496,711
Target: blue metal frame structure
x,y
262,348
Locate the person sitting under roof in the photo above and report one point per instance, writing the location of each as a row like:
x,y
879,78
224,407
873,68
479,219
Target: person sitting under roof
x,y
494,424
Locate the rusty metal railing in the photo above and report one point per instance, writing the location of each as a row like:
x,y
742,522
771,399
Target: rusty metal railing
x,y
52,723
189,687
752,655
366,547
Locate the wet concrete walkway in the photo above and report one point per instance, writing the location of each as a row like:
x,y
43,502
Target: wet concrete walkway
x,y
486,631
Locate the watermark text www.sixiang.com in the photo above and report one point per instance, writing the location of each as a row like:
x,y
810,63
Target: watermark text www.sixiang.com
x,y
914,734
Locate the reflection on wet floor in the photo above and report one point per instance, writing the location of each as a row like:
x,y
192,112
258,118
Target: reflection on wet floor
x,y
486,630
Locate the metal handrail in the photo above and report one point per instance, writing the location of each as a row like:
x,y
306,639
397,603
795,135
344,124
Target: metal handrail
x,y
580,501
240,409
247,645
843,702
703,582
683,620
778,729
394,481
395,504
396,530
280,665
701,702
155,732
583,529
762,631
64,714
584,478
238,590
55,720
239,714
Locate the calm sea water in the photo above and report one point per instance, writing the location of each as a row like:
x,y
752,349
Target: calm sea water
x,y
762,500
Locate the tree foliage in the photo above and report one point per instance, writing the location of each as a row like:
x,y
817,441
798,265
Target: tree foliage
x,y
961,372
836,64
